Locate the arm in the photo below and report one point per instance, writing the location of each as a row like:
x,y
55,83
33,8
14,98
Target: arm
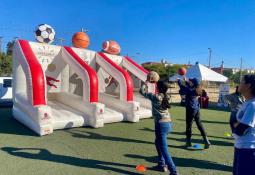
x,y
240,128
144,92
183,86
179,82
228,98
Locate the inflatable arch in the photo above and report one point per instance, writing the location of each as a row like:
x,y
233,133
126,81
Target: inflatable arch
x,y
62,87
113,73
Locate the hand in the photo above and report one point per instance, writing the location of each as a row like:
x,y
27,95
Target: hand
x,y
199,91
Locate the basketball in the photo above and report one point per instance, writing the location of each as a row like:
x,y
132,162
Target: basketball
x,y
111,47
80,40
182,71
153,76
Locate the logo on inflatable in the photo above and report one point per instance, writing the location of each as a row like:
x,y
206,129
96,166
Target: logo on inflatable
x,y
51,81
46,54
45,116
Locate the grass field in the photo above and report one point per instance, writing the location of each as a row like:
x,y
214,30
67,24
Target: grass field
x,y
114,149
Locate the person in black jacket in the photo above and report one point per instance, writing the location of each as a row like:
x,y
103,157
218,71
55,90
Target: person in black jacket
x,y
192,91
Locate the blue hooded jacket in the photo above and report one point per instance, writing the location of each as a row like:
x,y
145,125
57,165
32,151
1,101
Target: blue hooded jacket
x,y
191,94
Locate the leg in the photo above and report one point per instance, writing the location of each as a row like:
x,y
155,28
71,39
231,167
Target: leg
x,y
235,162
165,128
244,162
189,120
161,160
201,129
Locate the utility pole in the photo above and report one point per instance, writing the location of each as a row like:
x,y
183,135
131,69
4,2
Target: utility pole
x,y
222,67
1,44
241,67
210,56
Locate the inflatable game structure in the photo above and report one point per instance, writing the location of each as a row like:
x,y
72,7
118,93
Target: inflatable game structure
x,y
58,87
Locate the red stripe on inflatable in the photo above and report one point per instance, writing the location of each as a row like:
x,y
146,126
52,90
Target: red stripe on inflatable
x,y
37,75
136,65
93,80
129,82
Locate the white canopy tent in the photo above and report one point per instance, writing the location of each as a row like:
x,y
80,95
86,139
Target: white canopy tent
x,y
202,73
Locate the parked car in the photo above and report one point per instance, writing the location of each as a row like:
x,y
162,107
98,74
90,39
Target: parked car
x,y
6,91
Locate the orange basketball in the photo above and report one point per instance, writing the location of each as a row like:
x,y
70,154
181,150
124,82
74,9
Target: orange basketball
x,y
111,47
80,40
182,71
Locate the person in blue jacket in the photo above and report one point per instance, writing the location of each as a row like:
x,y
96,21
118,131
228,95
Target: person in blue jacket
x,y
192,91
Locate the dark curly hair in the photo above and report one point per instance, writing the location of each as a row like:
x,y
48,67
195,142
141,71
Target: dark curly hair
x,y
162,88
250,79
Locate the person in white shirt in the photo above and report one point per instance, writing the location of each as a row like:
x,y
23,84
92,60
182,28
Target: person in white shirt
x,y
244,130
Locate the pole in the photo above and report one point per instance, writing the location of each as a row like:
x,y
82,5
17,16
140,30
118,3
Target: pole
x,y
241,67
1,44
210,56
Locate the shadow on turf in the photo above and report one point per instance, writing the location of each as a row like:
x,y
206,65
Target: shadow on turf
x,y
187,162
9,125
212,106
92,135
208,121
213,142
218,137
183,134
44,154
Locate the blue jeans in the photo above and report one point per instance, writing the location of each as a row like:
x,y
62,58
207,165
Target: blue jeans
x,y
244,162
164,156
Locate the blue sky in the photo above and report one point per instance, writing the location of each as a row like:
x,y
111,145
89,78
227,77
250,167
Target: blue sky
x,y
147,30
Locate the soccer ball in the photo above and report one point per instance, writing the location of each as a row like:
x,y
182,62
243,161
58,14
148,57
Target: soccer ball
x,y
44,33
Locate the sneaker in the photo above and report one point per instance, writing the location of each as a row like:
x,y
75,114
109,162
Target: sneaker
x,y
207,145
188,144
174,174
165,169
207,142
160,168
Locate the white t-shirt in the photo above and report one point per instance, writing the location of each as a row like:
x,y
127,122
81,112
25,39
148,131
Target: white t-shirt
x,y
246,115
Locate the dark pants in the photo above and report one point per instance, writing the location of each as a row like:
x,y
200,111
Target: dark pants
x,y
244,162
164,156
191,115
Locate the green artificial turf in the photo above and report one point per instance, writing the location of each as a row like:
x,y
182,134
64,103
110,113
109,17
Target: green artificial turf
x,y
114,149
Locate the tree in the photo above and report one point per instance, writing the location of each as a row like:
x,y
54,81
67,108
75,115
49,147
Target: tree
x,y
5,65
227,72
10,46
164,71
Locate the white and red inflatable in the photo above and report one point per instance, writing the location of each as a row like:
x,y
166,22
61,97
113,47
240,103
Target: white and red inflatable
x,y
62,87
